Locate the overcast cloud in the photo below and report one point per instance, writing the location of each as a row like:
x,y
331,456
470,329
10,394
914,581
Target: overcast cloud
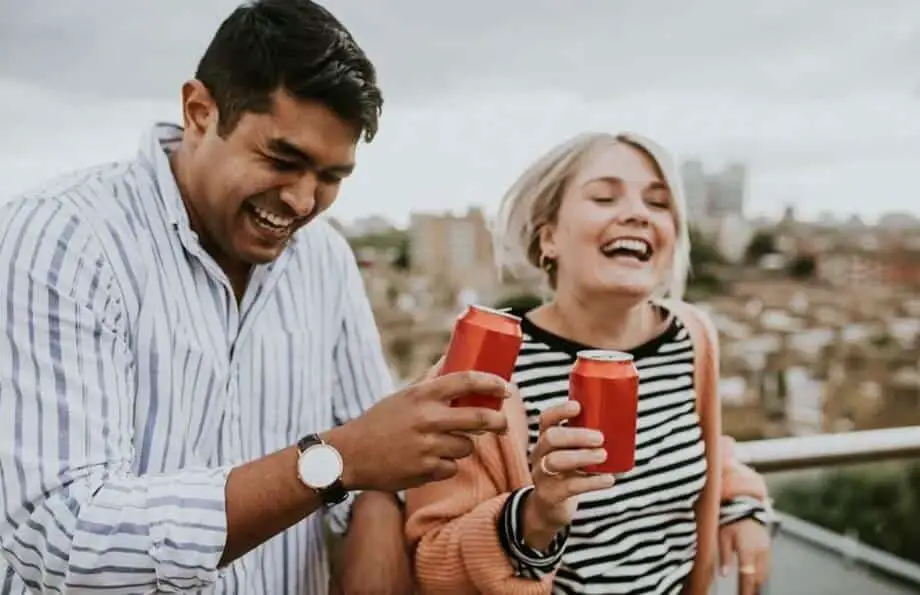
x,y
822,99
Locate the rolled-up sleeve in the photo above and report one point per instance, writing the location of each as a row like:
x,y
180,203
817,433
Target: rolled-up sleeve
x,y
745,507
361,372
73,517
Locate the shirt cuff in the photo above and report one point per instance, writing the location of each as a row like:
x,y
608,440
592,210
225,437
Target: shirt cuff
x,y
338,517
527,560
188,527
746,507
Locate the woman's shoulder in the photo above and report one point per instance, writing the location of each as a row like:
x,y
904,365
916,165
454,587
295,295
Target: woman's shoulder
x,y
694,317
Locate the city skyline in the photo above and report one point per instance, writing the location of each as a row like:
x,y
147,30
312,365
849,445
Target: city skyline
x,y
819,124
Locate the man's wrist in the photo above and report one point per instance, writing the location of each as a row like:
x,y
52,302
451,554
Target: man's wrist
x,y
338,439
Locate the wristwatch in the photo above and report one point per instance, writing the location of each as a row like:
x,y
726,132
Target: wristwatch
x,y
320,469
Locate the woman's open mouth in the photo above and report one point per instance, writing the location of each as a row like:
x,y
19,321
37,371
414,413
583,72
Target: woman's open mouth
x,y
635,249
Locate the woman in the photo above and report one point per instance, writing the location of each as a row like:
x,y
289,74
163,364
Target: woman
x,y
604,218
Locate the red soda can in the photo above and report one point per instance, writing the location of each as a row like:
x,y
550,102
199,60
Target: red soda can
x,y
606,385
484,340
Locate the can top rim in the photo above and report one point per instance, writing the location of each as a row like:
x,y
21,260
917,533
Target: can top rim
x,y
605,355
500,312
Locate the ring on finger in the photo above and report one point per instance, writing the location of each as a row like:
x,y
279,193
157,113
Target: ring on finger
x,y
545,469
747,569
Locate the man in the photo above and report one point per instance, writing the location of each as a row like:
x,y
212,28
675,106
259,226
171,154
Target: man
x,y
179,335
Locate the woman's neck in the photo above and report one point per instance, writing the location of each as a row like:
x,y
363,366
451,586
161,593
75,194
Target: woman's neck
x,y
606,323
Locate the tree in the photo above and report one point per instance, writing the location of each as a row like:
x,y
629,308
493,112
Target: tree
x,y
403,260
705,260
881,506
762,244
703,253
803,267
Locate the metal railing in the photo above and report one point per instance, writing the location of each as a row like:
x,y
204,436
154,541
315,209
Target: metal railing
x,y
825,450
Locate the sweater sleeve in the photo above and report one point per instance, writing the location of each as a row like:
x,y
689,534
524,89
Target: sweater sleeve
x,y
452,525
744,491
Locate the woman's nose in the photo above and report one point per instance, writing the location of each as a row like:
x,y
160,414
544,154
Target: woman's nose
x,y
633,210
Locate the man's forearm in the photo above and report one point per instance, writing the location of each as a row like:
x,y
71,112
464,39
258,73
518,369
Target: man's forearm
x,y
264,497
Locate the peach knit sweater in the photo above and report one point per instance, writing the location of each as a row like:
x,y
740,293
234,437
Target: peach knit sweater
x,y
451,524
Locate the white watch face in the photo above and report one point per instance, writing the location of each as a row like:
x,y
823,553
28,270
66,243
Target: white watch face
x,y
319,466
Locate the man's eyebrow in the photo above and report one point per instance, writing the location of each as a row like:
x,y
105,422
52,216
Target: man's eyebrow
x,y
286,149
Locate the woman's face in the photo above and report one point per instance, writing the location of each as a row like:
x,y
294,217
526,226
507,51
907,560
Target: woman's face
x,y
615,231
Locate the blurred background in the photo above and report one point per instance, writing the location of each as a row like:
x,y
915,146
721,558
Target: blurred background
x,y
797,125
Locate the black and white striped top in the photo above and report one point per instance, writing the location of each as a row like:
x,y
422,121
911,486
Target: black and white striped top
x,y
640,535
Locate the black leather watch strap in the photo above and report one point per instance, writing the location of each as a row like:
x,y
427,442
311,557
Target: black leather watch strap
x,y
334,493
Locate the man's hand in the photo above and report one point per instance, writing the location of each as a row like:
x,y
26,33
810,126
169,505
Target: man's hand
x,y
751,542
414,436
375,559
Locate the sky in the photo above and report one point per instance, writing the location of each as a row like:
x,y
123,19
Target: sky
x,y
820,99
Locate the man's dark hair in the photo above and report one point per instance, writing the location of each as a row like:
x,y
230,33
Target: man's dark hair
x,y
294,45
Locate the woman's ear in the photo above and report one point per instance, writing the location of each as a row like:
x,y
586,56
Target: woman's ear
x,y
547,240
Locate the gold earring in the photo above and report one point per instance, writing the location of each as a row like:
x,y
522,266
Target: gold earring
x,y
547,263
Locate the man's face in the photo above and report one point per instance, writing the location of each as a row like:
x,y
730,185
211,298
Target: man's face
x,y
250,190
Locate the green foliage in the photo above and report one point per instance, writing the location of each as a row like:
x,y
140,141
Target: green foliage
x,y
762,244
705,261
390,239
403,260
803,267
881,506
703,253
396,239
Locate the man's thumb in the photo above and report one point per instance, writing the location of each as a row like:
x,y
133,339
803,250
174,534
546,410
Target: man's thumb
x,y
432,372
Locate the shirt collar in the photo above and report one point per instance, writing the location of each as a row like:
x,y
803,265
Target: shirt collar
x,y
157,144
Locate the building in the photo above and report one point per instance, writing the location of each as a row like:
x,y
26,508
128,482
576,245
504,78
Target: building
x,y
727,190
857,267
695,190
713,196
456,251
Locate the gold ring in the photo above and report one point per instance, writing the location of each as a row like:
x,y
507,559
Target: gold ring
x,y
545,470
749,569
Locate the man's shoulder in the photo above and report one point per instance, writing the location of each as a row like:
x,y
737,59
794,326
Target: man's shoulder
x,y
88,193
81,212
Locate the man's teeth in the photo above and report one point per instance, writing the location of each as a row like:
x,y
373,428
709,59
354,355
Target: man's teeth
x,y
272,218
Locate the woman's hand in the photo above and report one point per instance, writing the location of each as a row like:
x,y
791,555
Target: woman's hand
x,y
750,541
559,455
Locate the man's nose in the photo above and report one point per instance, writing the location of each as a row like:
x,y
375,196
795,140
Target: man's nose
x,y
301,196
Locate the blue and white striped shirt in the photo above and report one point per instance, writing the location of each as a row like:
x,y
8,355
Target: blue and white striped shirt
x,y
131,382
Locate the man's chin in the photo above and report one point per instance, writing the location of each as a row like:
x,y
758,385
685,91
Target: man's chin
x,y
261,255
256,251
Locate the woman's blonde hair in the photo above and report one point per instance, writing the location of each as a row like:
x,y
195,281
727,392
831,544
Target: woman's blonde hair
x,y
534,199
